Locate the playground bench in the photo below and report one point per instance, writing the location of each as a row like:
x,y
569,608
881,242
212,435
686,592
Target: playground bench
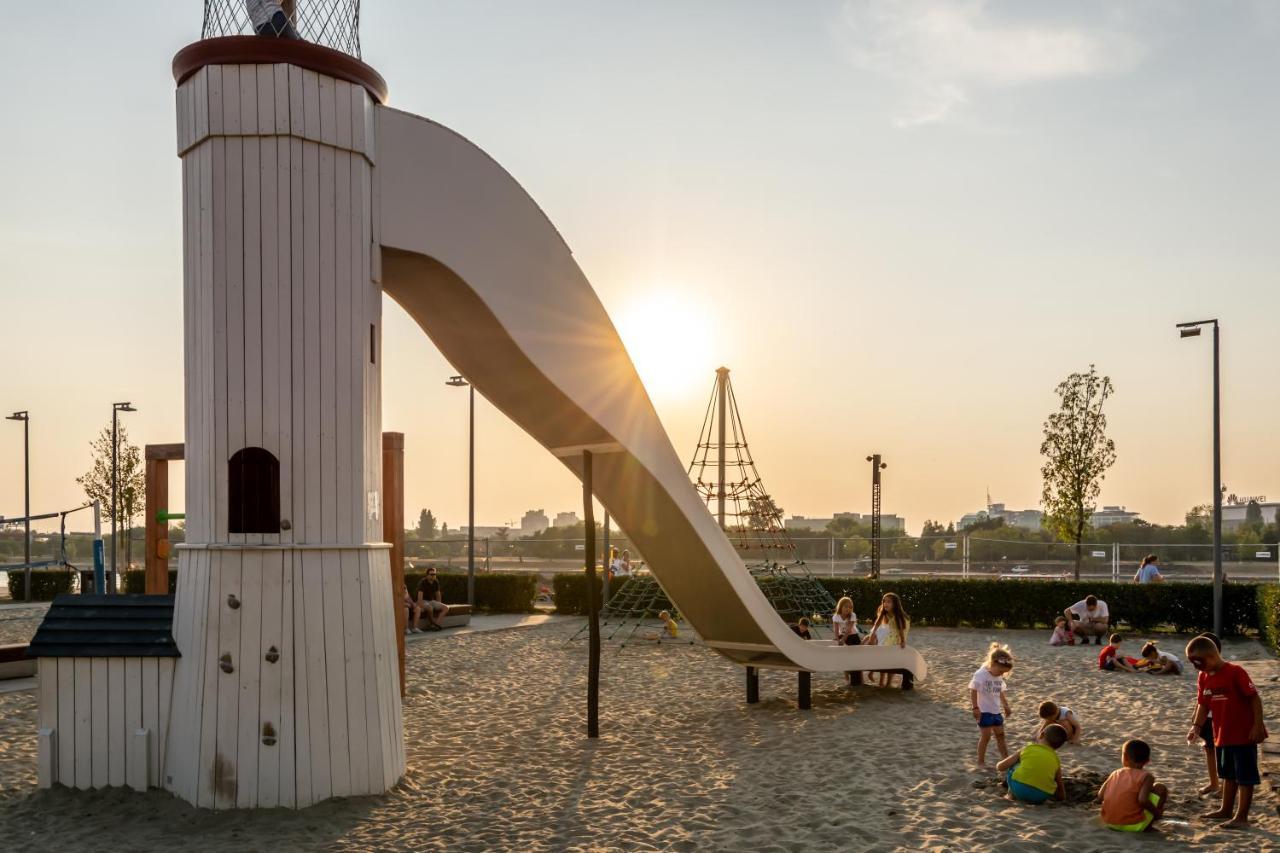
x,y
456,616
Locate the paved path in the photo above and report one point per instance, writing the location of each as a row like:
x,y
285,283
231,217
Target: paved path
x,y
489,622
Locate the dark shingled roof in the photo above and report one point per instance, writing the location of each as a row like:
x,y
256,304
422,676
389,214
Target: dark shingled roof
x,y
106,626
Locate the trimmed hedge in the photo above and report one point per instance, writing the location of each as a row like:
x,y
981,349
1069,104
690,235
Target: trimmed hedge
x,y
1182,607
570,591
135,581
953,603
1269,614
496,592
45,584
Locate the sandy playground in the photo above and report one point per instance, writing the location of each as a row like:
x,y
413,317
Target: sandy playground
x,y
498,760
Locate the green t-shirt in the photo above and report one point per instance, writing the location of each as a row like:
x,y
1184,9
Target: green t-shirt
x,y
1038,767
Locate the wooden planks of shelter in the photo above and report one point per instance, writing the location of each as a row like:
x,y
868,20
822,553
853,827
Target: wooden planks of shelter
x,y
157,458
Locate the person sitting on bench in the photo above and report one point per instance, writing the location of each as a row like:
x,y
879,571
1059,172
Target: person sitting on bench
x,y
429,600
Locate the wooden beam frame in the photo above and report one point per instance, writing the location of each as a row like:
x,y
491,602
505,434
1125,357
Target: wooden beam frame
x,y
156,560
393,530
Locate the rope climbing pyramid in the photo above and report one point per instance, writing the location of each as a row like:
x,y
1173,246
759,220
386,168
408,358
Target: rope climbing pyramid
x,y
726,478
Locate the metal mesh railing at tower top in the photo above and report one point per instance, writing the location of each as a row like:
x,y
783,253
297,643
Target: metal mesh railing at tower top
x,y
332,23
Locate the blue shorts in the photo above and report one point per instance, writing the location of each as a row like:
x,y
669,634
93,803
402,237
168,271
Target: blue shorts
x,y
1026,793
1239,764
986,721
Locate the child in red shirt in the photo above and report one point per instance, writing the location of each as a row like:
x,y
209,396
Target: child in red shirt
x,y
1110,661
1226,690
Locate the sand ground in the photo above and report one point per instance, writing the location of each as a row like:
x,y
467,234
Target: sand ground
x,y
498,760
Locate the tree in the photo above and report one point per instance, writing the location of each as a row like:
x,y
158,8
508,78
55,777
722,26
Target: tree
x,y
426,528
1077,455
131,483
1253,515
1200,515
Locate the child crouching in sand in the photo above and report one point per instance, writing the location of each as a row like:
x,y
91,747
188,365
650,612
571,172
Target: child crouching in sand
x,y
1132,800
987,696
1051,713
1157,662
1062,635
1035,772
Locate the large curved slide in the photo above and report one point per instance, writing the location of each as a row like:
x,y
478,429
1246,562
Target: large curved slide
x,y
481,269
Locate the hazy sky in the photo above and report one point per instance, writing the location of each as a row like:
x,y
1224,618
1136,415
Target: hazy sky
x,y
899,223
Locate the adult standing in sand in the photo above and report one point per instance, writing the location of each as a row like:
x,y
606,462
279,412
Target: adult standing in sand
x,y
1089,618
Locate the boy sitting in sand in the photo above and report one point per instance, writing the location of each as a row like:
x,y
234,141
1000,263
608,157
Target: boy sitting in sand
x,y
987,696
1110,660
1132,800
1227,690
1061,635
1157,662
1035,772
1051,713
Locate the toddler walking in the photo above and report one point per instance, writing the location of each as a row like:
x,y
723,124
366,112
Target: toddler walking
x,y
987,696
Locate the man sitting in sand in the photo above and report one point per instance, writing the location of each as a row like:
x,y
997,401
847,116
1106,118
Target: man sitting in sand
x,y
1089,618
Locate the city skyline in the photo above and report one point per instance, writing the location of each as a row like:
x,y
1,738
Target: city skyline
x,y
904,256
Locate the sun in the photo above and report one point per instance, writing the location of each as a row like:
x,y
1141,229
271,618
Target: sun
x,y
670,337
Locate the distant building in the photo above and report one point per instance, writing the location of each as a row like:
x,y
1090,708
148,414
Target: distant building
x,y
483,532
1110,515
1026,519
888,521
1235,514
565,519
534,521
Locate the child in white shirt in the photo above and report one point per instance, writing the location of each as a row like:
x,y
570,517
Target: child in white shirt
x,y
987,696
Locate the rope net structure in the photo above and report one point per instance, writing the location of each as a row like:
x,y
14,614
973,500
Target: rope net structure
x,y
332,23
752,521
726,479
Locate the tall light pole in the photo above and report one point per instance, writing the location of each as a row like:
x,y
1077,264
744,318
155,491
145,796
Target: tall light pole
x,y
26,489
116,409
1191,330
459,382
876,467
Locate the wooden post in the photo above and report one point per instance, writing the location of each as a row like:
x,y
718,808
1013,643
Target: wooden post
x,y
157,458
593,607
393,529
753,685
804,698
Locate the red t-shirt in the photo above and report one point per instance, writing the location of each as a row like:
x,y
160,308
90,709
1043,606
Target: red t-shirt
x,y
1107,653
1228,694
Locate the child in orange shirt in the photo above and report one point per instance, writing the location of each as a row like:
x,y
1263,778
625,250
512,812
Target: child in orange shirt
x,y
1132,800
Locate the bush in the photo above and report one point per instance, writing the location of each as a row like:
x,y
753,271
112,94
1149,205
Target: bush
x,y
1269,614
45,584
1184,608
504,592
135,581
570,591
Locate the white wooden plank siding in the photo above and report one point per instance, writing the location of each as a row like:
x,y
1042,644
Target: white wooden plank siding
x,y
151,714
279,240
83,722
67,721
117,738
249,676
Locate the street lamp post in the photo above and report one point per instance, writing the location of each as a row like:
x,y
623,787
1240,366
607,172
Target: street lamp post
x,y
116,409
876,467
1191,330
26,490
459,382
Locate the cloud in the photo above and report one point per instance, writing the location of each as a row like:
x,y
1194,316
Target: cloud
x,y
941,51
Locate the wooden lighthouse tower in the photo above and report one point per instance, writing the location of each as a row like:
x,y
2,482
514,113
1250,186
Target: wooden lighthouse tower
x,y
286,692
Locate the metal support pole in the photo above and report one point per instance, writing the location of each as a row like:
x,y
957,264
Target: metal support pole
x,y
115,447
99,567
753,685
804,700
471,501
1217,493
26,493
722,381
831,555
593,609
876,467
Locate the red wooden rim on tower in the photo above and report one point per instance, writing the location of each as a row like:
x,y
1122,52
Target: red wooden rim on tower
x,y
255,50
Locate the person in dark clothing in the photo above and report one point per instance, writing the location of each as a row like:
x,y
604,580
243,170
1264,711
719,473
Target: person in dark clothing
x,y
270,19
429,600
